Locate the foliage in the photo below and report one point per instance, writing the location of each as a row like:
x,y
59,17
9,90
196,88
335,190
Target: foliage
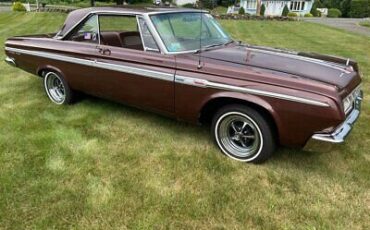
x,y
18,6
263,9
360,9
208,4
241,10
345,7
188,5
334,13
285,11
315,5
308,15
365,23
292,14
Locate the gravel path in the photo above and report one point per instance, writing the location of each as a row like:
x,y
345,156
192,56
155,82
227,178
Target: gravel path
x,y
349,24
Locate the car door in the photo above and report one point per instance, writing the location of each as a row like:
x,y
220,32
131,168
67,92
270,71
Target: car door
x,y
130,69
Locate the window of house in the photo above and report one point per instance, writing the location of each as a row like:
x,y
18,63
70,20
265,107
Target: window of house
x,y
251,4
297,6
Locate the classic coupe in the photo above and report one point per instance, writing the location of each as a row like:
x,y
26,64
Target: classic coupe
x,y
182,64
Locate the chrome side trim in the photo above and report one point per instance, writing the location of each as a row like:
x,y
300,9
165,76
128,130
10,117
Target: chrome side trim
x,y
120,68
10,61
342,131
208,84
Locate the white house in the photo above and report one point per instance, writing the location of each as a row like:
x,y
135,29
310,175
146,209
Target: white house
x,y
274,7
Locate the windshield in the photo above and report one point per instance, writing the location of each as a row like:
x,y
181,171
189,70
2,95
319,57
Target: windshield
x,y
182,31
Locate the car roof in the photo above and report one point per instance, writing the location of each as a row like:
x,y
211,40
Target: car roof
x,y
78,15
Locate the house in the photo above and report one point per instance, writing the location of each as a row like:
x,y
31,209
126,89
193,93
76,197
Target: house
x,y
274,7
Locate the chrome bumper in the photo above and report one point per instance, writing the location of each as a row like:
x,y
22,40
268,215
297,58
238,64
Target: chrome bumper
x,y
340,133
10,61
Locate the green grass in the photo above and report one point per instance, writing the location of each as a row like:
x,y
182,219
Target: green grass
x,y
98,164
365,23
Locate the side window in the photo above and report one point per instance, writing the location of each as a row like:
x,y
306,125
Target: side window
x,y
120,31
87,32
146,35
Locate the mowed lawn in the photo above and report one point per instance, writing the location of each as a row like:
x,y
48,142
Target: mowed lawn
x,y
99,164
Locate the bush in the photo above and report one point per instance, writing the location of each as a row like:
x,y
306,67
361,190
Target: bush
x,y
308,15
241,10
292,14
360,9
285,11
263,9
17,6
188,5
334,13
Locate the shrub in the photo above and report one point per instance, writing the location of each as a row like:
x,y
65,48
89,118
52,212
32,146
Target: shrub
x,y
308,15
292,14
17,6
241,10
360,9
285,11
263,9
334,13
188,5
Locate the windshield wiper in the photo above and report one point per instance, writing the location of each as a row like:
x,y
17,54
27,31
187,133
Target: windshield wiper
x,y
213,45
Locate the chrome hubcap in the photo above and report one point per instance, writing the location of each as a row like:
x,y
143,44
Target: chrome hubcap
x,y
239,135
55,88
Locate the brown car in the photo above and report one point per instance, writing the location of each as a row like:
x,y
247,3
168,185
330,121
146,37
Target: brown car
x,y
182,64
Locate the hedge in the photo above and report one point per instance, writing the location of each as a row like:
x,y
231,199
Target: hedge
x,y
360,9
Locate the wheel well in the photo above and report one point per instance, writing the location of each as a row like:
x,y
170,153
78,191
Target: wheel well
x,y
211,107
43,71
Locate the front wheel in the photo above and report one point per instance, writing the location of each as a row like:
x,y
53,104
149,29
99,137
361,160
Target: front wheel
x,y
243,134
57,88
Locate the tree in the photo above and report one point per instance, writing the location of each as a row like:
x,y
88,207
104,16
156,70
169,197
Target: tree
x,y
119,2
241,10
345,7
92,2
285,11
258,11
263,9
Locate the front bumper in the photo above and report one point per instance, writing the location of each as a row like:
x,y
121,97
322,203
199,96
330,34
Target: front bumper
x,y
340,133
10,61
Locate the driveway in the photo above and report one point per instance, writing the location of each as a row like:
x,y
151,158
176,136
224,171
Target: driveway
x,y
349,24
5,8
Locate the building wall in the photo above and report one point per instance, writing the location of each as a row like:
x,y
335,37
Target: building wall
x,y
275,8
182,2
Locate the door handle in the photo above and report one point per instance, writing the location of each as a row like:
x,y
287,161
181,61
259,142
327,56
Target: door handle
x,y
104,51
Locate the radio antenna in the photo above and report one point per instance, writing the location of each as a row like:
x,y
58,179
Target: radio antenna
x,y
200,34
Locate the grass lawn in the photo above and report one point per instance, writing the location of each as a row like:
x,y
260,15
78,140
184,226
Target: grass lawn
x,y
98,164
365,23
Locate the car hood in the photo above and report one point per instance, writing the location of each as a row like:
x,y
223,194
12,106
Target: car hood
x,y
289,62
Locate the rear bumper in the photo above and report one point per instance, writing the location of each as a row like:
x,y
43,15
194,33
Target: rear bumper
x,y
10,61
342,131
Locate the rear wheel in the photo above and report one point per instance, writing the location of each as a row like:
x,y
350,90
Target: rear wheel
x,y
243,134
57,88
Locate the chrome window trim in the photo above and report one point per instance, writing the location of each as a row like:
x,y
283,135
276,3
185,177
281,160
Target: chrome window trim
x,y
141,35
98,64
207,84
